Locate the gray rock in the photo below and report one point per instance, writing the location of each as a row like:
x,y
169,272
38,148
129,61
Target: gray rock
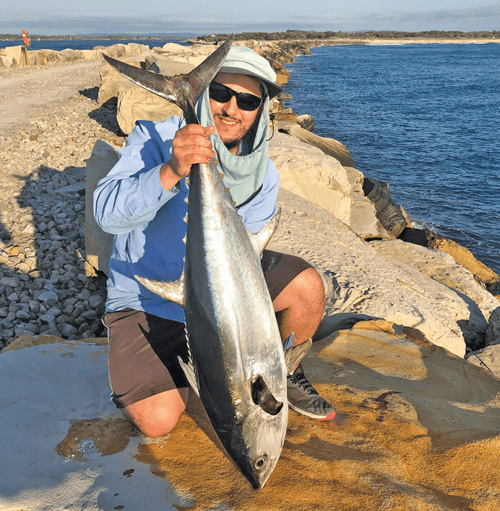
x,y
54,311
49,297
47,318
34,306
9,281
84,295
7,333
493,331
25,329
83,327
67,330
86,335
50,330
23,314
90,314
95,301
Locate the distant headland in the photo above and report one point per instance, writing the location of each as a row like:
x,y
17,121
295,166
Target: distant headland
x,y
370,36
306,35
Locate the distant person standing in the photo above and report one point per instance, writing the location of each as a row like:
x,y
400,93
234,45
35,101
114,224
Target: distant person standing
x,y
27,42
26,38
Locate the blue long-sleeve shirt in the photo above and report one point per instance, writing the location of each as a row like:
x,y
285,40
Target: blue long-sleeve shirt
x,y
148,221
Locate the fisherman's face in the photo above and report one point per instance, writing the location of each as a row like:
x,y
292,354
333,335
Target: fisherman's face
x,y
231,122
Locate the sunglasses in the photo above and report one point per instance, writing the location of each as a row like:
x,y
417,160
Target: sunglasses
x,y
223,94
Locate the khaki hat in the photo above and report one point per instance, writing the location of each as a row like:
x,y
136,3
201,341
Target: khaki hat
x,y
245,61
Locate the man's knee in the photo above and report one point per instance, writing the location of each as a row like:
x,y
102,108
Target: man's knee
x,y
309,285
157,415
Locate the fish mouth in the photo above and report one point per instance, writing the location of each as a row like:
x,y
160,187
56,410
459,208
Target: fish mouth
x,y
263,397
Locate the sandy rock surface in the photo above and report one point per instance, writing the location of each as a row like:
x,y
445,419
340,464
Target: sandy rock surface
x,y
416,428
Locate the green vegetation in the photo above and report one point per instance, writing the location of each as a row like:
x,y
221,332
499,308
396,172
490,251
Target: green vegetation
x,y
383,34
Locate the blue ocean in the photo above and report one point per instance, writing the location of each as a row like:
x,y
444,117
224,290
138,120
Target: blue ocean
x,y
87,44
422,117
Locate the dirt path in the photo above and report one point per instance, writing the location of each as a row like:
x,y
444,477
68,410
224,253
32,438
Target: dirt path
x,y
24,92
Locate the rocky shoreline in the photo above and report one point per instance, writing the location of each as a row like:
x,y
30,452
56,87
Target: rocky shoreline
x,y
416,425
46,282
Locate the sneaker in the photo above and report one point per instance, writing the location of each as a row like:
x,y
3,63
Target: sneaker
x,y
304,399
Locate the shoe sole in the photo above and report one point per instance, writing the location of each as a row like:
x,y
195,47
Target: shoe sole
x,y
329,417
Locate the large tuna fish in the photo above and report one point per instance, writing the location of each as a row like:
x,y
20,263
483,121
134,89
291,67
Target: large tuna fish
x,y
237,364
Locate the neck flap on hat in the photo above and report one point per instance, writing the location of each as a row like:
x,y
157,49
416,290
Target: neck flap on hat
x,y
244,172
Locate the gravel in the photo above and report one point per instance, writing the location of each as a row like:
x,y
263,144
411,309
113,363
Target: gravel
x,y
43,285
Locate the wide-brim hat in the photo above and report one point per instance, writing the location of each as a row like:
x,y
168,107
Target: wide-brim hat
x,y
245,61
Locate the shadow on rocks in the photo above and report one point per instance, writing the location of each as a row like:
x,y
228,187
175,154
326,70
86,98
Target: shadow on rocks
x,y
91,93
105,115
43,287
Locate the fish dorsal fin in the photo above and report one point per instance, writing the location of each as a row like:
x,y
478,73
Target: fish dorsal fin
x,y
188,367
172,291
295,354
261,239
189,372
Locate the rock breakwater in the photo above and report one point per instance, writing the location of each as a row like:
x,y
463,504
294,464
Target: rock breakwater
x,y
44,161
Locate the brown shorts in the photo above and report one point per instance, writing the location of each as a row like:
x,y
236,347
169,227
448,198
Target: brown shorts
x,y
143,348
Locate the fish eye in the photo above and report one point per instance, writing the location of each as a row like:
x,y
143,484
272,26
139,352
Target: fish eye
x,y
259,463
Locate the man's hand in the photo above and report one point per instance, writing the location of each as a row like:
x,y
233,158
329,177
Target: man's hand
x,y
189,146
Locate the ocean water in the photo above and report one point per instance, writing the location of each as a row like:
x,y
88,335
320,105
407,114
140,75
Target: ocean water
x,y
87,44
424,118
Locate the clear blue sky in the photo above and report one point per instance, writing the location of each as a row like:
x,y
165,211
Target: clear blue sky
x,y
60,17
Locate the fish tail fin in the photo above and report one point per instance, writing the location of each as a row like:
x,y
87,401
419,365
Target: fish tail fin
x,y
183,90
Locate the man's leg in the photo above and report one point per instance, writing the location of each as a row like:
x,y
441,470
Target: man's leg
x,y
299,307
298,298
157,415
148,385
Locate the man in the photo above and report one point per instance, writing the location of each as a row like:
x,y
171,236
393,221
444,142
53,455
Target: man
x,y
141,202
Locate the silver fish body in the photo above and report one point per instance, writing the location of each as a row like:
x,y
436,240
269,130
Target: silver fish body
x,y
233,336
238,366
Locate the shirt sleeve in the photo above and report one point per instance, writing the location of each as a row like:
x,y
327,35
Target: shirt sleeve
x,y
132,193
263,206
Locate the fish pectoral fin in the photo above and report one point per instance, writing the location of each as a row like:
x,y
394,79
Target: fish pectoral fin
x,y
261,239
189,372
172,291
263,397
295,354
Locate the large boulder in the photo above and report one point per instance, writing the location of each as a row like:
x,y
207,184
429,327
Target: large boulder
x,y
309,173
462,255
442,267
493,330
98,244
6,62
14,53
43,57
361,284
390,215
329,146
133,102
138,104
364,221
487,359
112,82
